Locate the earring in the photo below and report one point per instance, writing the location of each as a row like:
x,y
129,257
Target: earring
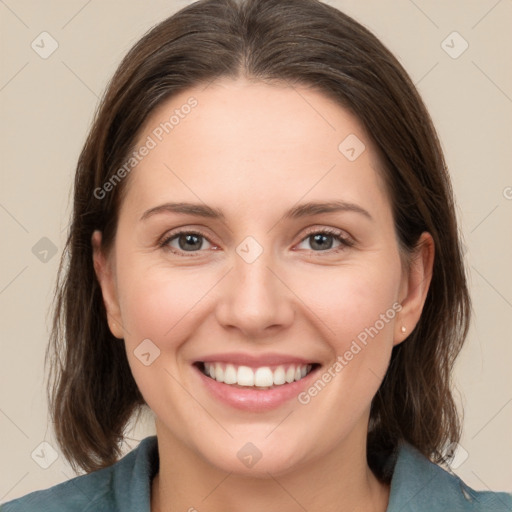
x,y
403,329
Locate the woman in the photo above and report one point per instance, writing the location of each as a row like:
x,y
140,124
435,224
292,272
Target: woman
x,y
264,252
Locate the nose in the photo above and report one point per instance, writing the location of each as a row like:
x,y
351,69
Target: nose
x,y
255,299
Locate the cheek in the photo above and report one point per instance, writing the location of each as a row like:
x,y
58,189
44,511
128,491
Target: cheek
x,y
357,310
158,303
350,299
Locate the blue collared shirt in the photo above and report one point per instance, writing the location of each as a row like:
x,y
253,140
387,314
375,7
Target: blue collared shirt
x,y
416,485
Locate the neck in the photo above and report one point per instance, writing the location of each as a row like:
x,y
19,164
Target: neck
x,y
341,481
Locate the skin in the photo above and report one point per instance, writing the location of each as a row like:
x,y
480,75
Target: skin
x,y
255,150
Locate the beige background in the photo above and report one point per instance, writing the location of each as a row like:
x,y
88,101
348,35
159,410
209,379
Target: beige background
x,y
47,106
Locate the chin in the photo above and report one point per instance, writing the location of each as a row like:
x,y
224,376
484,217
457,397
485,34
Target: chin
x,y
257,458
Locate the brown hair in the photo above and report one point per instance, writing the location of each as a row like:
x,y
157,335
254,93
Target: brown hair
x,y
300,42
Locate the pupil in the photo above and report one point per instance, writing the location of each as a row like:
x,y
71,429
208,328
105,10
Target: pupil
x,y
186,245
317,238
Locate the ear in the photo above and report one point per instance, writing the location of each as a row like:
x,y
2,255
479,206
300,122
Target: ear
x,y
103,267
414,287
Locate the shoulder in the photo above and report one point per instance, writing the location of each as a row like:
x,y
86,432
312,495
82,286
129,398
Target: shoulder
x,y
418,484
125,486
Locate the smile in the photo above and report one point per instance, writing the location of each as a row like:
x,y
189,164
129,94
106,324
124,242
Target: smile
x,y
263,377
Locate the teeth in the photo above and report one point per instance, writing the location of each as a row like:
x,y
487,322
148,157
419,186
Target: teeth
x,y
229,375
219,374
279,376
290,374
262,377
245,375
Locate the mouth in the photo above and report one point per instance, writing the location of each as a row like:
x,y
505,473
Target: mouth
x,y
257,378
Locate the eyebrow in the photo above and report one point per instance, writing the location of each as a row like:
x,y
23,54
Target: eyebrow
x,y
300,211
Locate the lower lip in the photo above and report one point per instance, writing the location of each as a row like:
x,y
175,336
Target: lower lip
x,y
252,398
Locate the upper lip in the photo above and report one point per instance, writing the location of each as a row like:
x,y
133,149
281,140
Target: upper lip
x,y
254,361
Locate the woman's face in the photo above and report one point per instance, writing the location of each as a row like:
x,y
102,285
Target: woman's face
x,y
254,284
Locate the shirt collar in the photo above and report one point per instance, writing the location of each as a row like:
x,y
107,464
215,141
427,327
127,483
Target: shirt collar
x,y
417,484
132,485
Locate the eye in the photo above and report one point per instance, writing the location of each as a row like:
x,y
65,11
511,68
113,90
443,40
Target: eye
x,y
186,241
193,241
322,240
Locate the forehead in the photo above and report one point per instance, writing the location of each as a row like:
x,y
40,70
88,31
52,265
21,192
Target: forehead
x,y
241,141
258,117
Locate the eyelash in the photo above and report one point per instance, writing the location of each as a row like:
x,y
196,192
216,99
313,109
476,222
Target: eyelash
x,y
345,241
